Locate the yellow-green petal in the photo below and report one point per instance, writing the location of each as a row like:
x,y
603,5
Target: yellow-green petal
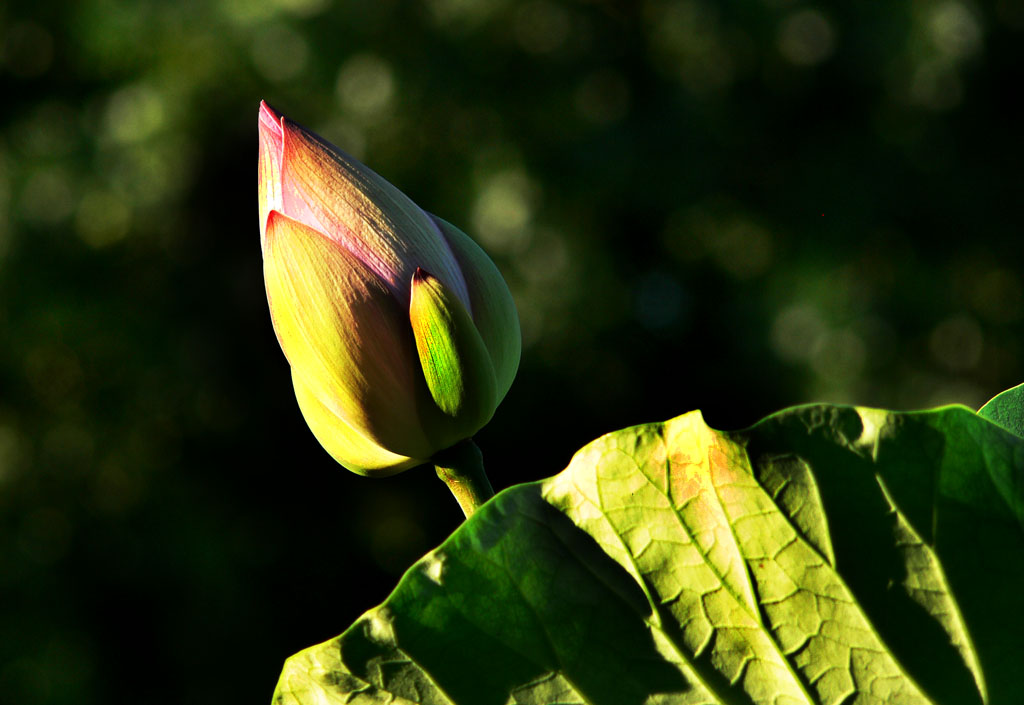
x,y
455,361
344,334
494,311
346,445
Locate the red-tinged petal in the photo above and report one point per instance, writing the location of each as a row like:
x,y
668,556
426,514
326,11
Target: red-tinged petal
x,y
271,150
455,361
345,335
380,225
346,445
494,311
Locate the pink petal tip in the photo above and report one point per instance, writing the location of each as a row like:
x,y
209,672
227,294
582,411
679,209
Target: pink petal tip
x,y
270,120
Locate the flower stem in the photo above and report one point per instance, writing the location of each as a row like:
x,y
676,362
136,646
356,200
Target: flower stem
x,y
461,467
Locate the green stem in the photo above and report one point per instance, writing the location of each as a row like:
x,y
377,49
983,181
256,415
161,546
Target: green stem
x,y
461,467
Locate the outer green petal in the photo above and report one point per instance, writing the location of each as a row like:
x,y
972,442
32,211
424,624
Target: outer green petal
x,y
344,334
351,204
494,311
346,445
453,356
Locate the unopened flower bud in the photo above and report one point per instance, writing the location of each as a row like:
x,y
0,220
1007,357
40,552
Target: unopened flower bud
x,y
401,334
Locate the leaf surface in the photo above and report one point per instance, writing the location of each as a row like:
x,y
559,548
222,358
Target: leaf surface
x,y
1007,409
827,554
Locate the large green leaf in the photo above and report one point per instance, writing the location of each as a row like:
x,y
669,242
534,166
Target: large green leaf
x,y
1007,409
826,555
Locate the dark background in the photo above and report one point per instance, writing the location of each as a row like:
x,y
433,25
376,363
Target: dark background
x,y
731,206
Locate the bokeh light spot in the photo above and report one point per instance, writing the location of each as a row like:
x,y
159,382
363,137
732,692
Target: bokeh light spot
x,y
246,13
997,296
303,8
839,355
936,85
541,27
503,210
796,331
545,260
736,243
957,343
134,113
47,197
689,44
460,16
742,248
151,173
365,85
954,30
102,219
806,37
279,52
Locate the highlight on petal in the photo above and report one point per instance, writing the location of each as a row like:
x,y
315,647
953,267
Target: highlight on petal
x,y
351,204
493,309
346,445
453,356
271,151
345,335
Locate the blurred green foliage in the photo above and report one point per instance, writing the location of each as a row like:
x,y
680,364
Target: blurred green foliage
x,y
800,202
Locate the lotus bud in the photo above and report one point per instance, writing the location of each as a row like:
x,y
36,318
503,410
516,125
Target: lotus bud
x,y
401,334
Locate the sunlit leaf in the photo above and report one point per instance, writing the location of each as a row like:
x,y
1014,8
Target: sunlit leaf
x,y
826,555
